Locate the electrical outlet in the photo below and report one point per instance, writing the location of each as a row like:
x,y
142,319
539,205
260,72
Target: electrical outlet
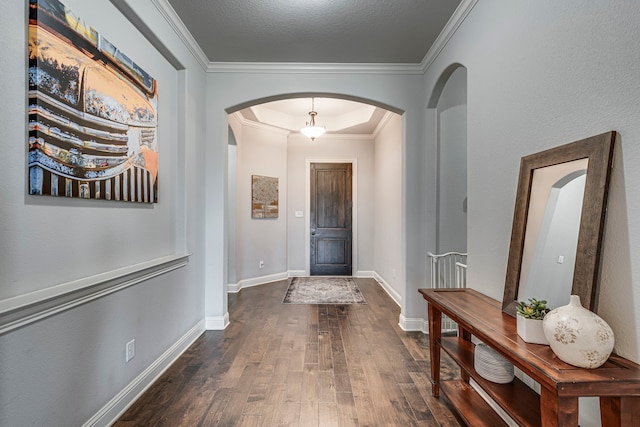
x,y
130,350
261,265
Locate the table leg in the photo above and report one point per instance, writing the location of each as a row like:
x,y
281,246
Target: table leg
x,y
435,334
620,411
464,335
558,411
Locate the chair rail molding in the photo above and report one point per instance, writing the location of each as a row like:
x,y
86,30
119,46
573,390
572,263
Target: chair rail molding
x,y
23,310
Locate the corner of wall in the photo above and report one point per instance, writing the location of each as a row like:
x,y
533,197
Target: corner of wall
x,y
413,324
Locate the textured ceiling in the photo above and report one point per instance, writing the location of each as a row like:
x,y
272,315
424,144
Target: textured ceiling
x,y
315,31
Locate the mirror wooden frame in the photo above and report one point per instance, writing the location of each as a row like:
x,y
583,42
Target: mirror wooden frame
x,y
599,152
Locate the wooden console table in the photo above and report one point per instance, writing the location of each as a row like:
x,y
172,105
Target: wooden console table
x,y
616,383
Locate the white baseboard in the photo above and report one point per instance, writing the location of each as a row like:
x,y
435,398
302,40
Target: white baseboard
x,y
413,324
256,281
406,324
365,274
261,280
110,412
388,289
216,323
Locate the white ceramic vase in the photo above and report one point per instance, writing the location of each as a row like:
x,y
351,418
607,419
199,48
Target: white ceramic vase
x,y
578,336
530,330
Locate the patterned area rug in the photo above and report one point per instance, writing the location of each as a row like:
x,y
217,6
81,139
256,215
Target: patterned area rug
x,y
323,290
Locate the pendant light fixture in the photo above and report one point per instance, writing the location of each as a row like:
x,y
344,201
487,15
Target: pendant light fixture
x,y
312,131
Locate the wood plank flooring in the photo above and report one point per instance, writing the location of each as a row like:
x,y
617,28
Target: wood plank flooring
x,y
300,365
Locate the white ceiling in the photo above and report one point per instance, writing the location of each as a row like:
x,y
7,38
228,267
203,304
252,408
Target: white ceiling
x,y
338,116
315,31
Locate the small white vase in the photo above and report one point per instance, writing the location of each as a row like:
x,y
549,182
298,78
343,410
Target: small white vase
x,y
530,330
578,336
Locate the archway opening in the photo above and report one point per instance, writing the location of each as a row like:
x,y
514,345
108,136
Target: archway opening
x,y
450,102
265,250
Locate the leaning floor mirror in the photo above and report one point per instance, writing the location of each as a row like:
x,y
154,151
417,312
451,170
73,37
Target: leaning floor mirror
x,y
558,224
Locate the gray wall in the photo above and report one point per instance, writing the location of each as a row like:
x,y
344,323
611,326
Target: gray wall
x,y
62,369
388,207
261,151
541,74
232,265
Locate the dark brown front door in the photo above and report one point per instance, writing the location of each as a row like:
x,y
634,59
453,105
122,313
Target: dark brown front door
x,y
330,219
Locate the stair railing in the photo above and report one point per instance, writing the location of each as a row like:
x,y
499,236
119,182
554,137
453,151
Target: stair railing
x,y
448,271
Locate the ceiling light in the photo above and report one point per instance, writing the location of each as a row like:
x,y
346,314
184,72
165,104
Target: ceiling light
x,y
312,131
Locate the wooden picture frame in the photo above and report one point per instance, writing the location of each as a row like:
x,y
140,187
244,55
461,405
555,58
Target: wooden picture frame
x,y
598,150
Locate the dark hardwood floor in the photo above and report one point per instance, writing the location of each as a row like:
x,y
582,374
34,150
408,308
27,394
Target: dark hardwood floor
x,y
299,365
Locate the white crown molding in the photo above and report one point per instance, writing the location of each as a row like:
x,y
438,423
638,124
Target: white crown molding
x,y
385,119
172,18
313,68
333,136
341,136
447,32
258,125
187,39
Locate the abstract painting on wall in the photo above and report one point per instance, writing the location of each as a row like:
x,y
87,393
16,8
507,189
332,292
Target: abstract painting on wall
x,y
92,113
264,197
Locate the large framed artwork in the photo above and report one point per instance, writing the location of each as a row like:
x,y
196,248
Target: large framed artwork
x,y
264,197
92,113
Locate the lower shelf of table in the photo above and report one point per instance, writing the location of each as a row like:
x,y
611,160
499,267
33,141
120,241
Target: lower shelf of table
x,y
469,405
515,398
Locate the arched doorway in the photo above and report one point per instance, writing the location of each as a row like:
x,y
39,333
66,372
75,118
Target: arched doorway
x,y
449,101
289,155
